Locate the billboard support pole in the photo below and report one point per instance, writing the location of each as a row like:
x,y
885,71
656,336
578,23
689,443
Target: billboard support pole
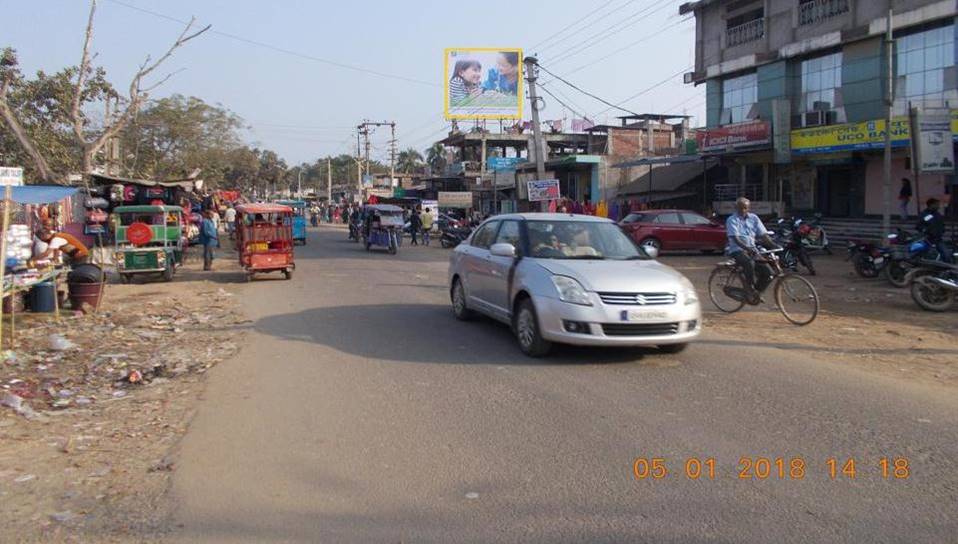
x,y
531,65
889,99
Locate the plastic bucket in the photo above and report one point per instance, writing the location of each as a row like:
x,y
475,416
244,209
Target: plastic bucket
x,y
84,293
43,297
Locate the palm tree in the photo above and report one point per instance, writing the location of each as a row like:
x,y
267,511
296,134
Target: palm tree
x,y
436,158
408,161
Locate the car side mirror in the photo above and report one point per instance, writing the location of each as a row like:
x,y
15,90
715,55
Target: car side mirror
x,y
652,252
503,250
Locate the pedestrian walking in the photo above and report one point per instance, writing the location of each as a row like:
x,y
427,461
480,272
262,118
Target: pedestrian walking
x,y
904,197
209,238
426,221
229,217
415,223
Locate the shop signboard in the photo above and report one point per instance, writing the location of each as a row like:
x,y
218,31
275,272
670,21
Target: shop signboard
x,y
455,199
933,146
11,176
543,189
433,207
868,135
753,134
503,164
483,83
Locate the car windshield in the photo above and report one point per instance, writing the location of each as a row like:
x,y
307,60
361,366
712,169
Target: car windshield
x,y
580,240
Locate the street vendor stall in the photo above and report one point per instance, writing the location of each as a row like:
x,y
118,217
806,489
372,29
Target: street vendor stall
x,y
30,264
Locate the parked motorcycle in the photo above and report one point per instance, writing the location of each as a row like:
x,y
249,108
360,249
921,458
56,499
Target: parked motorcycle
x,y
453,236
868,259
813,235
907,252
790,238
935,286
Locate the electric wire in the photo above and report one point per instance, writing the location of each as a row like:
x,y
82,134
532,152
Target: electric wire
x,y
578,21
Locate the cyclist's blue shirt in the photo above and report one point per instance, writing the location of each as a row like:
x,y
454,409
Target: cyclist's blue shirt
x,y
748,228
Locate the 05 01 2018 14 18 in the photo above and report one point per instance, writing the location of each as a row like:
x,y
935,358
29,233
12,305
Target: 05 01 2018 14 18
x,y
770,468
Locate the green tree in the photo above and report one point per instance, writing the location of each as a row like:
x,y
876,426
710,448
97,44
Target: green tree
x,y
409,161
436,158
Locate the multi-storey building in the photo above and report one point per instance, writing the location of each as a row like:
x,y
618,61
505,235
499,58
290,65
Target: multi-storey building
x,y
795,95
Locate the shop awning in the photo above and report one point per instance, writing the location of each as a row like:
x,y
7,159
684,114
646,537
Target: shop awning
x,y
676,159
41,194
665,178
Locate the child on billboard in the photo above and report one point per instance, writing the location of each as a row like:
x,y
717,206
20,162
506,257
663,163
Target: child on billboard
x,y
465,79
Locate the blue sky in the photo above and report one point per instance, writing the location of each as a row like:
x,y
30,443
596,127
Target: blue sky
x,y
305,109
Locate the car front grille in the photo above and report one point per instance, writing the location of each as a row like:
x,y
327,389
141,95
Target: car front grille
x,y
639,329
638,299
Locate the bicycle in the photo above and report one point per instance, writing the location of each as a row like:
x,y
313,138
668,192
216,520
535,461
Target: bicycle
x,y
795,296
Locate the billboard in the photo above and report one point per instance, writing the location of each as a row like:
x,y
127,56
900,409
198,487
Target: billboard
x,y
734,137
455,199
543,189
11,175
483,83
933,146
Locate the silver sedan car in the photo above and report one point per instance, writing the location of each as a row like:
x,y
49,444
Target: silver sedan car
x,y
572,279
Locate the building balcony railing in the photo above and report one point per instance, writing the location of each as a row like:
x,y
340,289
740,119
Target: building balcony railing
x,y
816,11
744,33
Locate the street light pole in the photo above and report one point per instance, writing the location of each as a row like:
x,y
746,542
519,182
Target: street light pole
x,y
889,102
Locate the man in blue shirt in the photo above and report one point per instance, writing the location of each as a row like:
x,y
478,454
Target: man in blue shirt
x,y
743,228
209,238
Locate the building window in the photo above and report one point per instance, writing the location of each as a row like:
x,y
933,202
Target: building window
x,y
745,28
811,12
925,69
821,83
739,94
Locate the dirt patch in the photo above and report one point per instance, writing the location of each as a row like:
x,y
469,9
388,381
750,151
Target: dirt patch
x,y
87,452
866,323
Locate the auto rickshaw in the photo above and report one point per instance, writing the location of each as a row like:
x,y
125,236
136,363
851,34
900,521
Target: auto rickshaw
x,y
264,239
382,226
299,218
149,240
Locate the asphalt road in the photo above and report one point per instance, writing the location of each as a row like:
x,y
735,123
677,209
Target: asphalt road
x,y
360,410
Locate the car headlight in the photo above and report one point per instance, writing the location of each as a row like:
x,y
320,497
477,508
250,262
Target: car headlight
x,y
571,291
688,292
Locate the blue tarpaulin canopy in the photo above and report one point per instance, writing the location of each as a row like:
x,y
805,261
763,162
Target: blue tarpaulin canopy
x,y
41,194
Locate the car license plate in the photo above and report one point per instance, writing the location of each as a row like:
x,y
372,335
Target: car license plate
x,y
878,260
641,315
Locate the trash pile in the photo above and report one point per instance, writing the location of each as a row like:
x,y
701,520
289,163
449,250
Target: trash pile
x,y
83,360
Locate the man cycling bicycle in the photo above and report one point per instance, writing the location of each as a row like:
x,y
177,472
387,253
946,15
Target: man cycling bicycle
x,y
743,229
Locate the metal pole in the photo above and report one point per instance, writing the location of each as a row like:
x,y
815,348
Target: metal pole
x,y
329,180
889,100
495,190
531,66
7,196
299,182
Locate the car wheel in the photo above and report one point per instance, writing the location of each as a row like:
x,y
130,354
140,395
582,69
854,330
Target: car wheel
x,y
651,242
527,331
459,306
673,348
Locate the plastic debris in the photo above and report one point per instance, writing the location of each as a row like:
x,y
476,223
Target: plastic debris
x,y
134,376
59,343
24,478
15,402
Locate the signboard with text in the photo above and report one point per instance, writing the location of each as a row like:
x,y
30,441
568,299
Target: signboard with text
x,y
500,164
868,135
11,175
933,146
455,199
753,134
543,189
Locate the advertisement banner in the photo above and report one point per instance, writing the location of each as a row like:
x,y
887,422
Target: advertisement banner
x,y
483,83
455,199
543,189
11,176
733,137
501,164
858,136
433,207
933,146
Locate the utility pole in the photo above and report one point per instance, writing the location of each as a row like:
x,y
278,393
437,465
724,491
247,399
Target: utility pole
x,y
392,152
531,68
299,182
329,180
889,102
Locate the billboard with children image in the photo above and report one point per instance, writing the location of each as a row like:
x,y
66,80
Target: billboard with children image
x,y
483,83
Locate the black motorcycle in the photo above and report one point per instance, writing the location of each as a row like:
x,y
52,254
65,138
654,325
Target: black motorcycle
x,y
868,259
787,235
453,236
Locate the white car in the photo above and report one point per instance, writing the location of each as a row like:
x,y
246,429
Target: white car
x,y
572,279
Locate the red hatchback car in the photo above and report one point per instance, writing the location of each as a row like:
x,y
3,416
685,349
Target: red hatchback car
x,y
675,230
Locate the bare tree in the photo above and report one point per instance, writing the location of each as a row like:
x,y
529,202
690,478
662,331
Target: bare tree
x,y
92,141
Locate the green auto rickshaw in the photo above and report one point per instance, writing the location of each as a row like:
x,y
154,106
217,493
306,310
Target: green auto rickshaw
x,y
149,240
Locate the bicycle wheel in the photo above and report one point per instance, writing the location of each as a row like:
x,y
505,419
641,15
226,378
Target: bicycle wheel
x,y
797,299
724,277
